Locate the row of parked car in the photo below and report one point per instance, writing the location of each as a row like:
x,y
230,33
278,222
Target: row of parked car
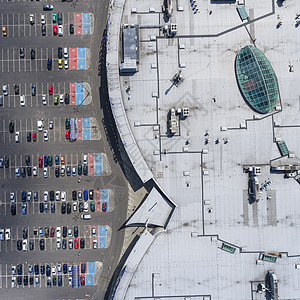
x,y
45,270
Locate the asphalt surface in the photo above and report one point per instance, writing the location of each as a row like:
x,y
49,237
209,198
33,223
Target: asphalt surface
x,y
115,181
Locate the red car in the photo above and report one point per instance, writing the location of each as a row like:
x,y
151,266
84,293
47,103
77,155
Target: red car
x,y
76,243
40,162
52,232
34,137
67,135
55,30
82,280
104,206
50,90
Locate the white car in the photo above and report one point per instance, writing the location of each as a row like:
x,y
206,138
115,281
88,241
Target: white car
x,y
22,100
31,19
13,282
61,98
63,196
34,171
74,206
59,269
70,281
45,173
7,234
46,196
80,195
29,197
60,30
43,20
50,124
54,270
66,52
17,136
66,64
57,195
44,99
46,136
85,159
58,232
62,171
94,231
1,234
13,270
25,245
58,243
5,90
70,232
95,245
12,197
86,207
17,170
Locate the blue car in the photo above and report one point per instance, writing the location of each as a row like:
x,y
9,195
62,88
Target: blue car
x,y
24,208
41,208
24,194
49,64
85,195
59,281
45,161
52,207
46,207
56,160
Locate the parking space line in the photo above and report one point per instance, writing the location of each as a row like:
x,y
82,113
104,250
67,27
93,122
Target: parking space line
x,y
18,26
24,26
8,60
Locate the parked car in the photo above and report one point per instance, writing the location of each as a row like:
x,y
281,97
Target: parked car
x,y
71,28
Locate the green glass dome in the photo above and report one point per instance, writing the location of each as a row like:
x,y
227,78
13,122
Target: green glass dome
x,y
256,79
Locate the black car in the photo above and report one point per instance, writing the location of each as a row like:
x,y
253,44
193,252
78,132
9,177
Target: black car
x,y
54,280
59,281
19,269
31,280
25,280
71,29
27,160
75,231
63,208
31,245
74,195
91,194
83,268
32,54
42,244
33,90
25,233
51,195
16,88
28,137
64,244
59,53
43,29
22,52
69,208
6,162
80,207
23,174
52,207
46,232
47,7
19,245
85,170
79,169
49,64
36,269
64,231
24,196
48,270
19,280
11,127
57,172
13,209
68,171
35,196
82,243
67,98
49,282
41,207
59,19
29,173
65,268
42,269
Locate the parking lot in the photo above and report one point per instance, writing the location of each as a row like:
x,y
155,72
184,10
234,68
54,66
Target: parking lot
x,y
56,167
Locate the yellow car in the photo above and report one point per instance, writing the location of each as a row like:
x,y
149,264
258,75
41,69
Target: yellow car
x,y
60,63
4,32
62,160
